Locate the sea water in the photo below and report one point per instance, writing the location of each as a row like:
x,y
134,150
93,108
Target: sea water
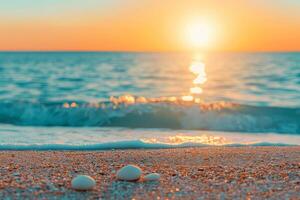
x,y
110,100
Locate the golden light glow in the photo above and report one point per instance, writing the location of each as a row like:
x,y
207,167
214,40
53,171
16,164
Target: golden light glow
x,y
200,79
187,98
199,34
129,99
203,139
66,105
72,105
181,139
198,68
196,90
127,26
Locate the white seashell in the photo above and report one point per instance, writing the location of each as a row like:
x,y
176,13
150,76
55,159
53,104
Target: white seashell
x,y
129,173
152,177
83,182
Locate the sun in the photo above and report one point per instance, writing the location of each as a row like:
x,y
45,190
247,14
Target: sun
x,y
199,34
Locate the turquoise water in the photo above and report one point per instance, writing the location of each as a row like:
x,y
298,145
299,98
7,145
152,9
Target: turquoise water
x,y
80,100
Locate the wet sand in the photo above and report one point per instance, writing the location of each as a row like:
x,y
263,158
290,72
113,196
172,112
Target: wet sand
x,y
187,173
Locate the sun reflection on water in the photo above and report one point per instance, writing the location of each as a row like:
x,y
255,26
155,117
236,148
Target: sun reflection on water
x,y
70,105
182,139
197,67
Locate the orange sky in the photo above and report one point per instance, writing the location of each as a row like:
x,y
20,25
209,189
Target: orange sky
x,y
148,25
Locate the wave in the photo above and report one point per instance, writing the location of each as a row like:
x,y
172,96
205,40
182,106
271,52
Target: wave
x,y
219,116
133,144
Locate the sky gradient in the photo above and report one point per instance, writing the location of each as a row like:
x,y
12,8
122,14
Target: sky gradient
x,y
147,25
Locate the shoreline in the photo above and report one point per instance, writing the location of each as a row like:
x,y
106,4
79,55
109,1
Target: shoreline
x,y
271,172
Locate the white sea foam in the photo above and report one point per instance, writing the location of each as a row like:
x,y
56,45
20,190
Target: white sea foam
x,y
87,138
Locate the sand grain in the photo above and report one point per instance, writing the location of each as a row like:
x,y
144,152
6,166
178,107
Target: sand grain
x,y
188,173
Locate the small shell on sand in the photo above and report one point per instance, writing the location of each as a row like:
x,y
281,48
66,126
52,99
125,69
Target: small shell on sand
x,y
129,173
83,182
152,177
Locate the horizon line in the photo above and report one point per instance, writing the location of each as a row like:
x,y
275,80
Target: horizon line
x,y
147,51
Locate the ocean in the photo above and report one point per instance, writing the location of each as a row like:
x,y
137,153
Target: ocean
x,y
114,100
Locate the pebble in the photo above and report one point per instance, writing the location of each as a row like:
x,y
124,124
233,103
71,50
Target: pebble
x,y
129,173
16,174
83,182
152,177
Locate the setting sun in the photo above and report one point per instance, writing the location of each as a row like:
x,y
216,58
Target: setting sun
x,y
199,34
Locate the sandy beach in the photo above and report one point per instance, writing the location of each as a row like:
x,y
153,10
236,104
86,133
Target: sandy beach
x,y
186,173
